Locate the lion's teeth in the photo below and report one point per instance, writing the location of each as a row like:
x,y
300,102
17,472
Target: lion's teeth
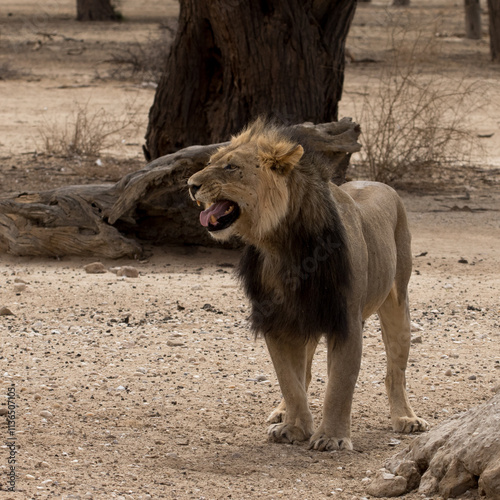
x,y
213,219
229,210
198,202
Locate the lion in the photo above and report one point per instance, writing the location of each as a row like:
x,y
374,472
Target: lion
x,y
319,260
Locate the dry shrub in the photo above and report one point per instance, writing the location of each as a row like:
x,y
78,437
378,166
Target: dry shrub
x,y
144,61
415,125
86,132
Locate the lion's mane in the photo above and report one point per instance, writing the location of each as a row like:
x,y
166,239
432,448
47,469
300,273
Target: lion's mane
x,y
312,263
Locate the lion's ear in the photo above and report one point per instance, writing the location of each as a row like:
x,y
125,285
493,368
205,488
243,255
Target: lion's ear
x,y
280,156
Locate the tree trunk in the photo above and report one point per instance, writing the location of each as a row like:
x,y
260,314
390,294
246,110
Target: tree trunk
x,y
472,19
96,10
151,204
494,27
233,61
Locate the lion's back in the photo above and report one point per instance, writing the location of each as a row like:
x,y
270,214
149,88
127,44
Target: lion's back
x,y
378,205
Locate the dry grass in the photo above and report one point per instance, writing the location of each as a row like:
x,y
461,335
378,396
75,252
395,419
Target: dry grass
x,y
86,132
415,125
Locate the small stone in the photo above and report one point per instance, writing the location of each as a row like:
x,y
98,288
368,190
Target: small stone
x,y
95,268
120,388
415,327
140,369
29,476
416,340
47,482
175,343
128,272
46,414
472,377
4,411
5,311
495,388
19,287
448,373
37,397
387,485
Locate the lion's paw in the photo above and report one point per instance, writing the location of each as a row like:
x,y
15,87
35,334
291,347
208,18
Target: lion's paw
x,y
407,425
286,433
322,442
276,416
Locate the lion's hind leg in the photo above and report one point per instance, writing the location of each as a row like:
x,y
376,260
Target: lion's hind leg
x,y
278,414
291,362
395,321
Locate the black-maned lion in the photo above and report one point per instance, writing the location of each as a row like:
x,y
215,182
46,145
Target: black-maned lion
x,y
319,260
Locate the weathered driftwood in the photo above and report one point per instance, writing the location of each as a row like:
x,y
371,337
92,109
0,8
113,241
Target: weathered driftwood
x,y
152,204
461,453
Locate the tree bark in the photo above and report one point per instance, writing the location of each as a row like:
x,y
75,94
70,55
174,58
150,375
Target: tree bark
x,y
233,61
461,453
96,10
472,19
494,28
152,204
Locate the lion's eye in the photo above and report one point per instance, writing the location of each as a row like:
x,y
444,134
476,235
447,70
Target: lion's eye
x,y
230,167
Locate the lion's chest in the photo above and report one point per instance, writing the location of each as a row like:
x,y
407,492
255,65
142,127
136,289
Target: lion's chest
x,y
298,294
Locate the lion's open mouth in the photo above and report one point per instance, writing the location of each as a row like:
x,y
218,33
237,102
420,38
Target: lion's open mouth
x,y
220,215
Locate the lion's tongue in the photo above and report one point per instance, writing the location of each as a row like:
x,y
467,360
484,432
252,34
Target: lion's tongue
x,y
217,210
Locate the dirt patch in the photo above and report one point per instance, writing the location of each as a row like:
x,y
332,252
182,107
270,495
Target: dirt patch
x,y
153,387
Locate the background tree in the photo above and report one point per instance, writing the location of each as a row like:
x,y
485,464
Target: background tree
x,y
472,19
494,27
232,61
96,10
401,3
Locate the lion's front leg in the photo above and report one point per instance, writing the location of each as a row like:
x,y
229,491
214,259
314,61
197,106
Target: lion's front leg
x,y
344,360
290,363
278,414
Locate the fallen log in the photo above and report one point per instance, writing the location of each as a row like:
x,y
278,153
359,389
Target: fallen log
x,y
151,204
461,453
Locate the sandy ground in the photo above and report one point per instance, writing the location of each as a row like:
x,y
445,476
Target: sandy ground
x,y
153,387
